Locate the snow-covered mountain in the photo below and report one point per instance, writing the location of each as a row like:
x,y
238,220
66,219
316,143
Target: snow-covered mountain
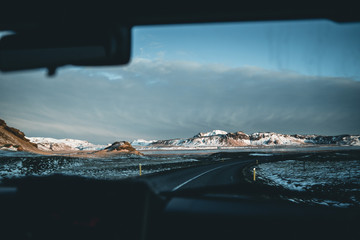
x,y
52,144
142,142
215,138
219,138
211,133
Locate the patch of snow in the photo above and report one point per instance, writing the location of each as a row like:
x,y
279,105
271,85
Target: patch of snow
x,y
11,148
261,154
327,202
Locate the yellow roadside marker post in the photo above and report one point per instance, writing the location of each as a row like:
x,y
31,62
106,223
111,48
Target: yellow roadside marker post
x,y
254,174
140,169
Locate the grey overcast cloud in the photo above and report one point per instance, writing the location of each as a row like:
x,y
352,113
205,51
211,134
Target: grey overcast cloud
x,y
174,87
160,100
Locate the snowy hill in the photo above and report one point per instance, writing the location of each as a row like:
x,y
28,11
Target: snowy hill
x,y
218,138
215,138
141,142
212,133
52,144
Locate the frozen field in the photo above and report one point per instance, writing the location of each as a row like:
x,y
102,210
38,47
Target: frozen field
x,y
334,178
329,177
19,164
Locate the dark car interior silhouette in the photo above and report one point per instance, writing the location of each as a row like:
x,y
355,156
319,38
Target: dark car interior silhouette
x,y
51,34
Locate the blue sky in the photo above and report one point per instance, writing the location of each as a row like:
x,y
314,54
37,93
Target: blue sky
x,y
287,77
308,47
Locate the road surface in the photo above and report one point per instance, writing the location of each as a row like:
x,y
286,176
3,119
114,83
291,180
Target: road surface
x,y
222,173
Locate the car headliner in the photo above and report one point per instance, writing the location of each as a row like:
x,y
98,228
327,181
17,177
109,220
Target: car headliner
x,y
29,15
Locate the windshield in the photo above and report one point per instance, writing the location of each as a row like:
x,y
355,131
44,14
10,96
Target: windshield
x,y
259,91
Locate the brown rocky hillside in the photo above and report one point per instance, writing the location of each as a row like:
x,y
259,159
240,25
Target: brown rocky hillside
x,y
12,137
119,147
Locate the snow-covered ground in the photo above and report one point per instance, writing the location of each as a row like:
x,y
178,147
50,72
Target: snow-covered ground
x,y
307,175
20,164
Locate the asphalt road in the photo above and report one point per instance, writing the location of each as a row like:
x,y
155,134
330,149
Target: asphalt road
x,y
221,173
264,216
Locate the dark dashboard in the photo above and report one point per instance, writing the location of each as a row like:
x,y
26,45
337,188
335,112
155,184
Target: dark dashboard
x,y
59,207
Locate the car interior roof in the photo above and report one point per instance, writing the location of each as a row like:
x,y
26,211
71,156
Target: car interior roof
x,y
50,14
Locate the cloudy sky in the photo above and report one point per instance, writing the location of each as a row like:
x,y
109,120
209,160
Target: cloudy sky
x,y
287,77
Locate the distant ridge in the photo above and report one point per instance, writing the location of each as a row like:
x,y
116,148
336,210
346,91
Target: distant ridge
x,y
53,144
219,138
13,139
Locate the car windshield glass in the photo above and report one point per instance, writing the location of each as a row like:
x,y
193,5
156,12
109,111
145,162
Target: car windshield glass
x,y
197,95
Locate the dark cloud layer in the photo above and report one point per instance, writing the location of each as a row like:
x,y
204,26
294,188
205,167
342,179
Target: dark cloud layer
x,y
158,100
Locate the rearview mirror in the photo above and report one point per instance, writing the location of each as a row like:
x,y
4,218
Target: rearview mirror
x,y
94,46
